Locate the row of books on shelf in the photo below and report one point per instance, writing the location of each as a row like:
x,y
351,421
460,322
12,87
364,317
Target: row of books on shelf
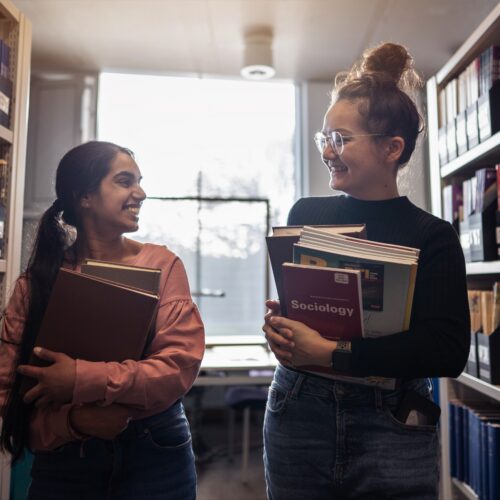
x,y
344,286
471,206
484,354
463,91
5,85
470,127
468,106
474,432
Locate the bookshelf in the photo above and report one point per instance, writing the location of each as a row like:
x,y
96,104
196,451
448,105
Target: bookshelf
x,y
486,152
483,268
479,386
15,31
483,153
464,489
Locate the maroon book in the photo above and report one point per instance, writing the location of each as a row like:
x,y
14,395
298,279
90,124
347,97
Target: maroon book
x,y
94,319
326,299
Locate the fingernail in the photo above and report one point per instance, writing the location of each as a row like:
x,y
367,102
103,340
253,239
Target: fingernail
x,y
20,369
37,350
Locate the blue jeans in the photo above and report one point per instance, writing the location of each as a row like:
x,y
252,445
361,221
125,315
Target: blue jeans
x,y
330,440
152,459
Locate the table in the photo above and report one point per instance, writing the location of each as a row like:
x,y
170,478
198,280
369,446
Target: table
x,y
236,365
236,340
230,361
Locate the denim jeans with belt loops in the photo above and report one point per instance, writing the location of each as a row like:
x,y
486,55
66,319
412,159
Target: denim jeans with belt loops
x,y
152,459
325,439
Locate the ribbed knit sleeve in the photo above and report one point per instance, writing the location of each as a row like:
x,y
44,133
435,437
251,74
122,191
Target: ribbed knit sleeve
x,y
437,343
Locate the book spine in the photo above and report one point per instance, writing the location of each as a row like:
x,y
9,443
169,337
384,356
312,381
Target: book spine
x,y
483,465
452,408
474,450
493,465
459,442
465,430
409,299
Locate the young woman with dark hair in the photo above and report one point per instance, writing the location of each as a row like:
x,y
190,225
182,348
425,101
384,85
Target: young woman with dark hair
x,y
328,439
100,430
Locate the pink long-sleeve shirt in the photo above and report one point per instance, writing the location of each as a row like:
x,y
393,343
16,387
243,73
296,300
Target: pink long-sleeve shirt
x,y
148,386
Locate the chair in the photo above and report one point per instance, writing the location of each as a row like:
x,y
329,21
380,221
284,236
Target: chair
x,y
243,398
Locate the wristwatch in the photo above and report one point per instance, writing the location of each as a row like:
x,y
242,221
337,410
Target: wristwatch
x,y
341,356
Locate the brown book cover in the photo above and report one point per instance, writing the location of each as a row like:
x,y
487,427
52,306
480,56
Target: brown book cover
x,y
144,278
94,319
280,248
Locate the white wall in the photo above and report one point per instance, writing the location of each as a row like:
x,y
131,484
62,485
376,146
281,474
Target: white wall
x,y
315,98
61,116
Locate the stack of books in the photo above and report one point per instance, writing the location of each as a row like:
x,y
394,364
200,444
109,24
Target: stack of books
x,y
346,287
105,313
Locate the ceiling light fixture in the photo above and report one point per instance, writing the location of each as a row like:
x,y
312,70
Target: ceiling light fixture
x,y
258,59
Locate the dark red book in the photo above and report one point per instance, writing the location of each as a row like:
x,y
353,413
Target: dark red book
x,y
326,299
280,247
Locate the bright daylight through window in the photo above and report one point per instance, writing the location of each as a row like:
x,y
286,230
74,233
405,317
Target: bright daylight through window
x,y
212,152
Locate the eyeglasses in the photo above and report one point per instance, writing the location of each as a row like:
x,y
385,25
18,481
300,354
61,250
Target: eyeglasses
x,y
336,139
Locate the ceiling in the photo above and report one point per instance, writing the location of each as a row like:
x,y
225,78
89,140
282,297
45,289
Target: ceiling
x,y
313,39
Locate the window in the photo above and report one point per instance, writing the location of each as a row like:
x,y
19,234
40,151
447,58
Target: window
x,y
217,157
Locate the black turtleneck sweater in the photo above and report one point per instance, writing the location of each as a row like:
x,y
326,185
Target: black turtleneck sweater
x,y
437,343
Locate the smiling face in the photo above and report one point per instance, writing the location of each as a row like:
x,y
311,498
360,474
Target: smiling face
x,y
114,207
365,169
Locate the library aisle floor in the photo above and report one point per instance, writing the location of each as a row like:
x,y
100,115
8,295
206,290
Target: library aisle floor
x,y
220,479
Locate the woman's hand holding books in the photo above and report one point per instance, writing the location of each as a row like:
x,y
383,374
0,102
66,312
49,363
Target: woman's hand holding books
x,y
55,383
294,343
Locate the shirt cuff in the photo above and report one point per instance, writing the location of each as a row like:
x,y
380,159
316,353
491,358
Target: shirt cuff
x,y
91,381
49,428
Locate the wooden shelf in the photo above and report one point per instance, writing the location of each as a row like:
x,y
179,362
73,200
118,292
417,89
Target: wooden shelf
x,y
478,268
16,32
492,391
484,154
464,489
6,135
481,152
9,11
484,35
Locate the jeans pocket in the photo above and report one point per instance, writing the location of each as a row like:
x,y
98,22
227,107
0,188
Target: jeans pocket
x,y
390,406
171,435
276,400
407,425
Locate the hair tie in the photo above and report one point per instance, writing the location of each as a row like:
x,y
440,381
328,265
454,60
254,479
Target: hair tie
x,y
57,205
